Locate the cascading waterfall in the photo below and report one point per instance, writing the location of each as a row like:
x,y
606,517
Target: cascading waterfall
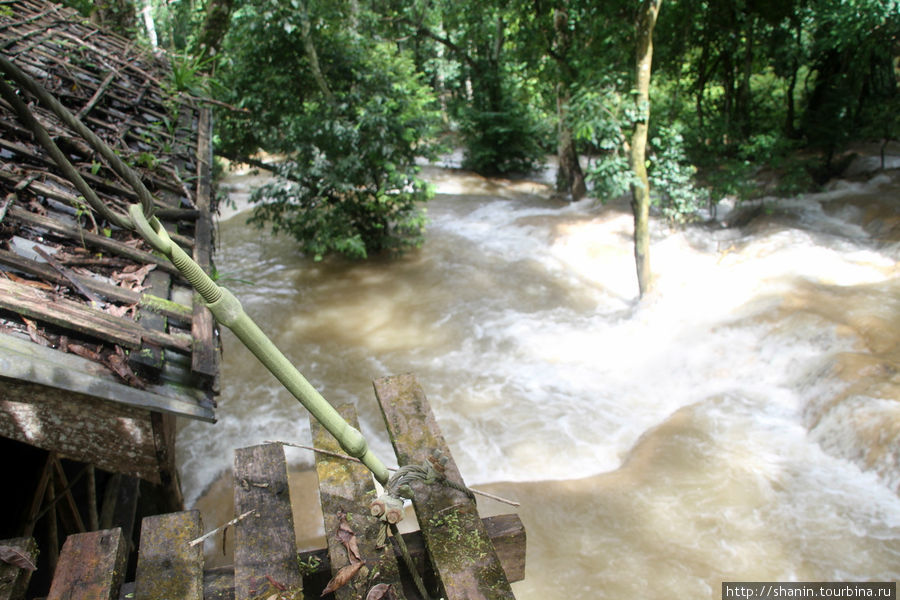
x,y
740,423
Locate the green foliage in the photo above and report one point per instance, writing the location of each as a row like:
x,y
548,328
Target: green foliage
x,y
348,183
672,185
501,139
188,73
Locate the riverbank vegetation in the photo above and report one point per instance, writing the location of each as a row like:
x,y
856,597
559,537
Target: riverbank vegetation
x,y
747,98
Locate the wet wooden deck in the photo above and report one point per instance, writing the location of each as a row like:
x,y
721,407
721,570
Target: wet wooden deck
x,y
460,555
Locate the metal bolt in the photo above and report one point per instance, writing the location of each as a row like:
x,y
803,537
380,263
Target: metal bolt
x,y
377,508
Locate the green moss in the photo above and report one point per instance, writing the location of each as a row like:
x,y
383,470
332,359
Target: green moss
x,y
159,305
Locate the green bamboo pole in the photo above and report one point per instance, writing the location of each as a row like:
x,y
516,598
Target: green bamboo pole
x,y
228,311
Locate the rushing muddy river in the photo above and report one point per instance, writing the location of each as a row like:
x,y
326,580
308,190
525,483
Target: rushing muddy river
x,y
741,423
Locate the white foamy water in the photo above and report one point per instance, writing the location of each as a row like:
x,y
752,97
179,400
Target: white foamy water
x,y
739,423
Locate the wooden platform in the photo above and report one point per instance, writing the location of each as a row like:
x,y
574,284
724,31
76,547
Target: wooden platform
x,y
460,555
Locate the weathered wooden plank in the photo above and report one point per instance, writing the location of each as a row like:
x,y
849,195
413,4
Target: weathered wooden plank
x,y
507,533
91,565
458,544
168,567
164,438
24,360
346,489
75,316
116,438
14,580
91,239
205,358
150,356
265,551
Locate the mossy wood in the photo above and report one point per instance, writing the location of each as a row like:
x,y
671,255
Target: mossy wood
x,y
205,358
459,546
265,551
91,565
147,301
38,304
168,567
150,356
507,533
13,579
347,488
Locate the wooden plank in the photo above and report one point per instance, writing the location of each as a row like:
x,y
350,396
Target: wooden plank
x,y
205,358
507,533
163,425
75,316
27,361
347,489
457,542
167,566
91,565
91,239
116,438
265,550
149,358
13,579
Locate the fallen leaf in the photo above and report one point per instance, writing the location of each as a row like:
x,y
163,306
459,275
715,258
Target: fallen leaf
x,y
348,537
119,365
34,333
381,591
17,558
342,577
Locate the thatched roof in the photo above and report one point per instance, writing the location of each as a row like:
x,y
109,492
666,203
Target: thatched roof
x,y
85,306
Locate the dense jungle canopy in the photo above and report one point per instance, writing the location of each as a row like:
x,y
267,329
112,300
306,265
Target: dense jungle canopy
x,y
748,97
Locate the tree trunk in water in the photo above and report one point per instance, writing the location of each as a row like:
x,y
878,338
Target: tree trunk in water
x,y
640,190
215,26
569,177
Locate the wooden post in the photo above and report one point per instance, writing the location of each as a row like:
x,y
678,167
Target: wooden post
x,y
168,567
91,565
460,548
265,547
346,489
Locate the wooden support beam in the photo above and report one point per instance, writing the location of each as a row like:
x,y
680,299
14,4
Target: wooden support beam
x,y
167,566
459,546
265,549
346,489
13,578
205,358
91,565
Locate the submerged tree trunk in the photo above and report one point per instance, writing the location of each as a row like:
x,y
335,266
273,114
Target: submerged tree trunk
x,y
569,177
640,189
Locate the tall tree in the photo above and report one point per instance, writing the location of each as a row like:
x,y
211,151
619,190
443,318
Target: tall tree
x,y
640,188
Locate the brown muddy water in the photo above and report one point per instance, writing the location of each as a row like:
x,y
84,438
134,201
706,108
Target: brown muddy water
x,y
740,424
